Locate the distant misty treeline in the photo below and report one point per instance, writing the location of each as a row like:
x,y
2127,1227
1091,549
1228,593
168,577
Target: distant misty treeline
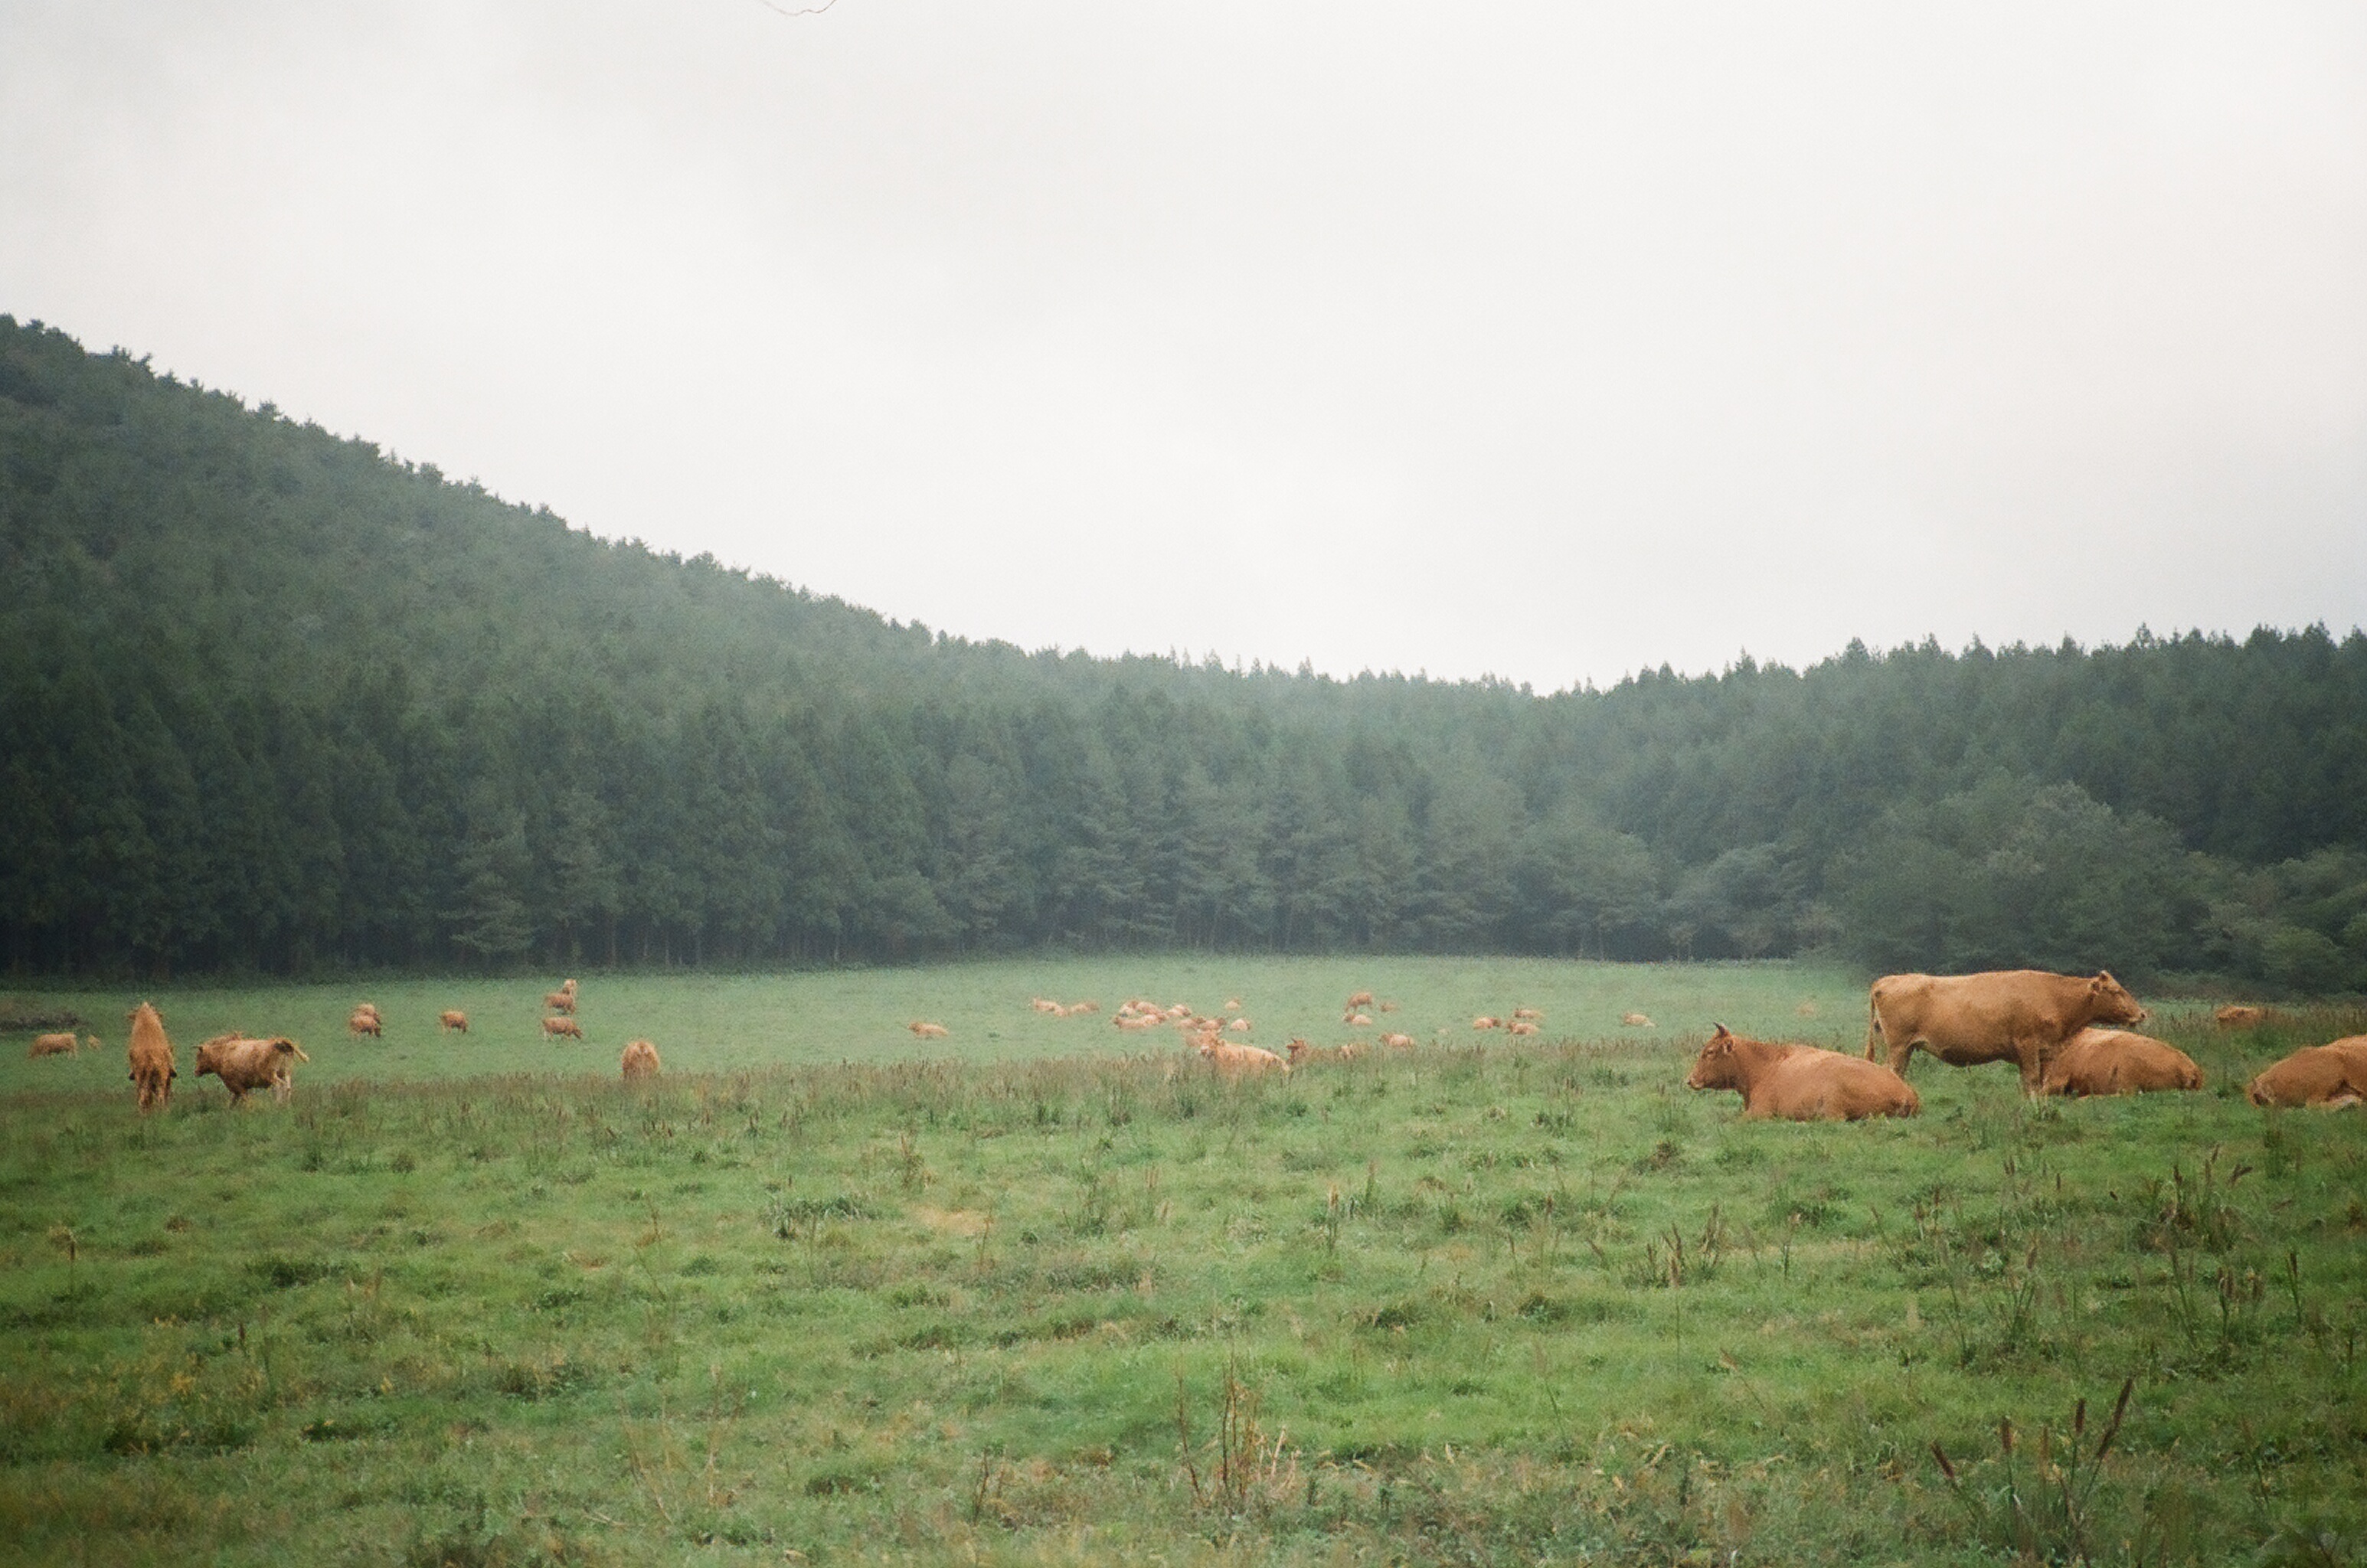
x,y
270,700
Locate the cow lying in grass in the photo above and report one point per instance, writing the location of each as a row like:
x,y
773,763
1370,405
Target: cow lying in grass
x,y
245,1066
1235,1060
1800,1083
2112,1061
2332,1076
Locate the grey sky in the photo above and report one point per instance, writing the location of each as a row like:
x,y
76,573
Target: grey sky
x,y
1549,340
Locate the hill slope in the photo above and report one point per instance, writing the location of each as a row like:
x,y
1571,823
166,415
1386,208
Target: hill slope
x,y
274,699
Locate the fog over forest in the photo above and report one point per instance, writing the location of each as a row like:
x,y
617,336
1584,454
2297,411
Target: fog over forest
x,y
275,701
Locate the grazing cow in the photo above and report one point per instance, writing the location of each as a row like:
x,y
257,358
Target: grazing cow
x,y
1636,1020
2235,1016
360,1023
452,1021
1397,1042
928,1031
640,1061
1302,1053
2332,1076
1486,1022
151,1055
2112,1061
53,1045
1358,1020
1800,1083
560,1024
1361,1000
2021,1016
244,1065
1519,1026
1234,1060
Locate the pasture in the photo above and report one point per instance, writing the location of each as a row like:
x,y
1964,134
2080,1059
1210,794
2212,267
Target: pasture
x,y
1047,1292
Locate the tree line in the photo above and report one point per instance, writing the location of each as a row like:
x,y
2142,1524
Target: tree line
x,y
274,699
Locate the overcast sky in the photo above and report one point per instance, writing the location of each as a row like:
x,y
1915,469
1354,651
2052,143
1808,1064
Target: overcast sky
x,y
1551,341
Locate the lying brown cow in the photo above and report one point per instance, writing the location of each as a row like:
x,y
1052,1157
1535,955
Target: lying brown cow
x,y
245,1066
1800,1083
640,1060
53,1045
2236,1015
151,1055
1232,1060
2112,1061
2333,1076
2021,1016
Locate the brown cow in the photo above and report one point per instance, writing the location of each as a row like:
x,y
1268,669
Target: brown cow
x,y
1519,1026
1357,1020
452,1021
641,1061
1302,1053
360,1023
558,1025
2332,1076
1636,1020
1396,1042
1487,1020
2237,1016
1086,1006
561,1000
53,1045
245,1066
1529,1015
2021,1016
1361,1000
1234,1060
151,1055
2112,1061
1800,1083
928,1031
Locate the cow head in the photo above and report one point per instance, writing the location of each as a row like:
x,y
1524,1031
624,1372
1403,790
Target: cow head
x,y
2112,1000
1714,1068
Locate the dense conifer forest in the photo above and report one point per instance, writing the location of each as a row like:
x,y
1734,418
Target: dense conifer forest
x,y
271,700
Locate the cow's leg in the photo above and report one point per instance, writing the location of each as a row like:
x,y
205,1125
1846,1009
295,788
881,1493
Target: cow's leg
x,y
2031,1056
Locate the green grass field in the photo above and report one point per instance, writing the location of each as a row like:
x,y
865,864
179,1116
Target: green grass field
x,y
1047,1292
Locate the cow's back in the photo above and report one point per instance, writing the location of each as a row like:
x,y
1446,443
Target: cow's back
x,y
2113,1061
1826,1086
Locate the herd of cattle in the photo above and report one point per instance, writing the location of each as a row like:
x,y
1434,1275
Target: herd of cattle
x,y
2060,1032
245,1064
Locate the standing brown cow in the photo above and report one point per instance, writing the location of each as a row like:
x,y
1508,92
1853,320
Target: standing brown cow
x,y
2021,1016
151,1055
640,1060
53,1044
245,1065
453,1020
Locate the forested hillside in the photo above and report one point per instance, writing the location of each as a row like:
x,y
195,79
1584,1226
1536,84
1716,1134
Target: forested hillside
x,y
270,699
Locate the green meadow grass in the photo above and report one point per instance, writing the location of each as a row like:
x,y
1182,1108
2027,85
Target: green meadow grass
x,y
1049,1293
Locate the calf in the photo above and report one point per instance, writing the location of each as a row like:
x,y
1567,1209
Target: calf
x,y
2332,1076
2112,1061
244,1065
1800,1083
